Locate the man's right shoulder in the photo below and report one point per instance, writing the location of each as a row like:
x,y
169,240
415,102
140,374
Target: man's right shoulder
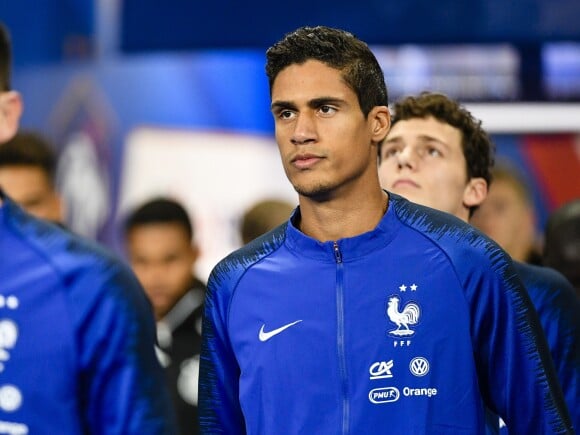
x,y
70,259
230,269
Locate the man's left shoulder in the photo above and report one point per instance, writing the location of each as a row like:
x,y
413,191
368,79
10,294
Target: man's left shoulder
x,y
460,241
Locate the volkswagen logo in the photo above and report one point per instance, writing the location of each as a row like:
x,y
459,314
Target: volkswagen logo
x,y
419,366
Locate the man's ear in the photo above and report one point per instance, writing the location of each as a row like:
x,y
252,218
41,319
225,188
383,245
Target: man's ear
x,y
59,207
380,119
195,252
475,192
10,111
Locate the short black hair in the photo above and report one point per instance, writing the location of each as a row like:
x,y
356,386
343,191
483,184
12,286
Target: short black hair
x,y
28,148
5,58
338,49
159,211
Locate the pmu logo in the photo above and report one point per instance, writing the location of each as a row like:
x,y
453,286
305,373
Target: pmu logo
x,y
381,370
384,395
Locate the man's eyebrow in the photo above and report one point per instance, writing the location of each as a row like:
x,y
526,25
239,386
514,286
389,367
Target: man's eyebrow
x,y
281,105
321,101
429,138
314,103
392,139
422,137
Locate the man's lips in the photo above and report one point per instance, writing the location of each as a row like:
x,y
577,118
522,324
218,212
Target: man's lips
x,y
405,183
305,161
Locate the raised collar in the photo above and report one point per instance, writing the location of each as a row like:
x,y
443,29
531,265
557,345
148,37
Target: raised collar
x,y
350,248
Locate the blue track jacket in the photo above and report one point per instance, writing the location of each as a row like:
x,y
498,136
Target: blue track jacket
x,y
407,329
76,337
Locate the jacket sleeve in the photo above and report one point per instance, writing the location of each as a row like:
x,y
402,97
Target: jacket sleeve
x,y
558,308
516,372
122,386
219,407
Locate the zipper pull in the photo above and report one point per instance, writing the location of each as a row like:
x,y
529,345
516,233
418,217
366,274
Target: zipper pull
x,y
337,253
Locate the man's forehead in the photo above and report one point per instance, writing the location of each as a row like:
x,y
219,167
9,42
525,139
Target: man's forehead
x,y
424,129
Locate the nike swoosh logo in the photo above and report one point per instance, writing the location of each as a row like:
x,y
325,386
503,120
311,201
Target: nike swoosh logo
x,y
265,336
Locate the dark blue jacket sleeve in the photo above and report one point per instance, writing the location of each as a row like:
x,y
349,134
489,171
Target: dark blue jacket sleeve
x,y
558,308
122,386
516,372
219,406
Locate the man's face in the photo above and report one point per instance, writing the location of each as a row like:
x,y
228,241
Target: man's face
x,y
30,187
10,111
162,257
422,160
323,137
507,218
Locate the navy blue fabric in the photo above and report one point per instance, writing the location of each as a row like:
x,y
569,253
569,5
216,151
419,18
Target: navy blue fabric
x,y
558,308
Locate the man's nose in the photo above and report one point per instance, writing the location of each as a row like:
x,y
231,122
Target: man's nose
x,y
304,129
407,157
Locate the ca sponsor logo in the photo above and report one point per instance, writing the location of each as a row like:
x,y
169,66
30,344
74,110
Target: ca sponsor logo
x,y
381,370
384,395
419,366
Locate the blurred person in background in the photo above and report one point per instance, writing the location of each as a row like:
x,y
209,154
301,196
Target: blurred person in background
x,y
76,329
263,216
437,154
160,243
508,216
562,241
27,174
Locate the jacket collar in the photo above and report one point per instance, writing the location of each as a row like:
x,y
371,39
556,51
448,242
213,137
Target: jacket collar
x,y
350,248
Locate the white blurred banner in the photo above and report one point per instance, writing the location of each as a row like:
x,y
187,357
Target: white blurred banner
x,y
215,176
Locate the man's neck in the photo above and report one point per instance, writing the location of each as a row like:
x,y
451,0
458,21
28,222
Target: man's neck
x,y
343,217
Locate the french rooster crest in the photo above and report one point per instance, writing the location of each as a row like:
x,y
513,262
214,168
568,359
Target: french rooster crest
x,y
409,316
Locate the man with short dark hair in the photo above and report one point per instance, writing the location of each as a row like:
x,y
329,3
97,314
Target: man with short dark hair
x,y
159,237
27,174
365,313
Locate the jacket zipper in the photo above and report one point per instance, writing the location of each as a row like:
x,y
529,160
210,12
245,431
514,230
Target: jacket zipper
x,y
341,338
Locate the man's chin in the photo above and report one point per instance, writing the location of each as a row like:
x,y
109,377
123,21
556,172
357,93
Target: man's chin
x,y
160,302
410,194
318,192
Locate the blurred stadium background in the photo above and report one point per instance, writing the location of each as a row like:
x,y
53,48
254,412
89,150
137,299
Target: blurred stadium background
x,y
144,97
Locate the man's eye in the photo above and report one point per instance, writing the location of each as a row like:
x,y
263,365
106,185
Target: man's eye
x,y
390,152
285,114
327,110
434,152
